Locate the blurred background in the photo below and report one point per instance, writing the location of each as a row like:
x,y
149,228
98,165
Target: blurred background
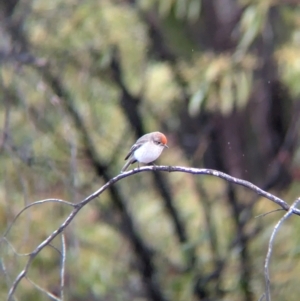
x,y
80,81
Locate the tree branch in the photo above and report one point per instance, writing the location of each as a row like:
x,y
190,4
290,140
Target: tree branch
x,y
270,249
196,171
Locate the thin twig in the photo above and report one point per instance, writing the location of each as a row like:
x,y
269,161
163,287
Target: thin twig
x,y
262,297
12,247
270,248
63,263
34,204
43,290
267,213
3,267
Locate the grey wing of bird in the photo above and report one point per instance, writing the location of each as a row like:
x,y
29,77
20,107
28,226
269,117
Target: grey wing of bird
x,y
138,144
133,149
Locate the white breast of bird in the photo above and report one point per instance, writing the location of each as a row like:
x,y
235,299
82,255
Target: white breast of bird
x,y
148,153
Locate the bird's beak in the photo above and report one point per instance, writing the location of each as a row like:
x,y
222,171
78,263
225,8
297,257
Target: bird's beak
x,y
166,146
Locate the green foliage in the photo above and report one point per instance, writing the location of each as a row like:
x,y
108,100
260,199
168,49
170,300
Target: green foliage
x,y
227,82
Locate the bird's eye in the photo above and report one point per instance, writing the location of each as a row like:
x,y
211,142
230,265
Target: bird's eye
x,y
156,142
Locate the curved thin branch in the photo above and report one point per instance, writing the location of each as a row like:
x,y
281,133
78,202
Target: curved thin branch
x,y
50,295
267,213
270,248
63,263
81,204
34,204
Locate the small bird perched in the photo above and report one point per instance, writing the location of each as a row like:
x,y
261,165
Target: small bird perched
x,y
146,149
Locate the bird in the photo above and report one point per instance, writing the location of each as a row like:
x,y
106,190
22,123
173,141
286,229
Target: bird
x,y
146,149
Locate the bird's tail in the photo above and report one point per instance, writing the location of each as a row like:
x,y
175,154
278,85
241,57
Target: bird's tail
x,y
126,165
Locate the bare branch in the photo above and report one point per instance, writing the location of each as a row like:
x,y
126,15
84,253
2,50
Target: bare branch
x,y
63,263
77,207
272,238
267,213
3,268
36,203
210,172
12,247
43,290
262,297
56,249
17,281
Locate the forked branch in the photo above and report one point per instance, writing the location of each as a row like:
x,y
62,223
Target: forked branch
x,y
196,171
